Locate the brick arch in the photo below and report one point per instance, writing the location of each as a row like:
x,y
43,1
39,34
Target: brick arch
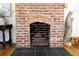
x,y
31,18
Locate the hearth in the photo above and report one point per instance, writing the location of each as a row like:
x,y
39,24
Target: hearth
x,y
39,34
40,51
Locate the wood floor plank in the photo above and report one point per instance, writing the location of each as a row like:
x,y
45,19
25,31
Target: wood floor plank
x,y
8,51
72,50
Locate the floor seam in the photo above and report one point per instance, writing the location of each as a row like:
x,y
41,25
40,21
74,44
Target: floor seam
x,y
46,51
23,52
35,51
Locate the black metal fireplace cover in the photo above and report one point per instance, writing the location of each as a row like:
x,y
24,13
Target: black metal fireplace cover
x,y
39,31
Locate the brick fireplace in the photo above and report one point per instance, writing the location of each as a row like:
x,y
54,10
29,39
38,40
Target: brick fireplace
x,y
39,24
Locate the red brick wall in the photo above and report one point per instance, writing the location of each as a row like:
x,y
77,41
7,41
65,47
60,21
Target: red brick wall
x,y
55,11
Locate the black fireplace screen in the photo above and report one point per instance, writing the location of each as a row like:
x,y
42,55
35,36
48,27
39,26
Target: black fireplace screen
x,y
39,34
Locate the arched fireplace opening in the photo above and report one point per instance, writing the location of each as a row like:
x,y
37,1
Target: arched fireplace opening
x,y
39,34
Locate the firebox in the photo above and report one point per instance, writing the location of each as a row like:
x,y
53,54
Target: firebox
x,y
39,34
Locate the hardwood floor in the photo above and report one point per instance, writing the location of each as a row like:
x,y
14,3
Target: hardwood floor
x,y
73,50
8,51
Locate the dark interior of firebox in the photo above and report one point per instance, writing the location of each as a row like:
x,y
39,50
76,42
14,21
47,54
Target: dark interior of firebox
x,y
39,34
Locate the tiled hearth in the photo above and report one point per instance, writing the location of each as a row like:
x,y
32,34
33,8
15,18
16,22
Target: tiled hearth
x,y
49,28
41,51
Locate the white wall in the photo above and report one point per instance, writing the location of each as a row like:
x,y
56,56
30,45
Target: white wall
x,y
11,20
75,26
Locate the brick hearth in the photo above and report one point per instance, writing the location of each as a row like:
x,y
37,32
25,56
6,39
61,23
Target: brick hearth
x,y
52,14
